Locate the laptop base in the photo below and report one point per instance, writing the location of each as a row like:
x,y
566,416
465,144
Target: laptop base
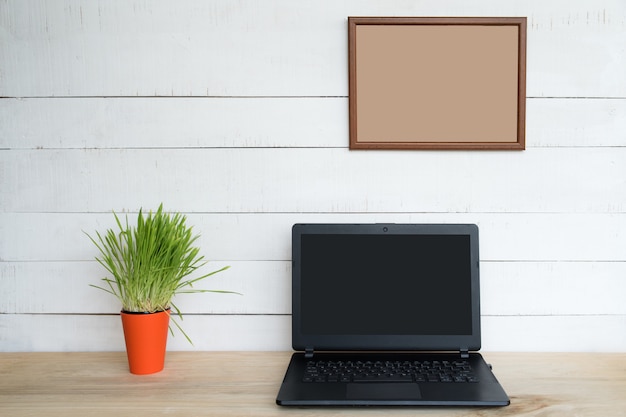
x,y
296,392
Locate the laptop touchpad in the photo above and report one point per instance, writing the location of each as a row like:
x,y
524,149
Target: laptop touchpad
x,y
383,391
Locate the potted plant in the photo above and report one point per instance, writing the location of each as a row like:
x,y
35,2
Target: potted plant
x,y
149,264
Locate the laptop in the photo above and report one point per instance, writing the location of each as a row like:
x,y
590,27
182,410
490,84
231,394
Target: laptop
x,y
387,314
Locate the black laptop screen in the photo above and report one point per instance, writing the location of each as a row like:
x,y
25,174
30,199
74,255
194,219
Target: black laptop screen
x,y
385,287
386,284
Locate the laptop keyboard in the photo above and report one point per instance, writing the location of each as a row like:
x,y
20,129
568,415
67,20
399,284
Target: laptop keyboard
x,y
389,371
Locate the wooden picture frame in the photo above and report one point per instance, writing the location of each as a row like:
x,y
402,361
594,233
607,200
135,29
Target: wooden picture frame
x,y
437,82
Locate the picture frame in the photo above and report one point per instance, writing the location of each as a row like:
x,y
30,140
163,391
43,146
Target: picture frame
x,y
437,82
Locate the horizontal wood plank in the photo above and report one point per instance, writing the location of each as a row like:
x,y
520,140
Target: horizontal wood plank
x,y
104,123
552,288
232,237
260,332
174,122
30,287
314,180
578,333
104,333
507,288
277,48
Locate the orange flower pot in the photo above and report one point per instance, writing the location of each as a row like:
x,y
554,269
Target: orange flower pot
x,y
146,339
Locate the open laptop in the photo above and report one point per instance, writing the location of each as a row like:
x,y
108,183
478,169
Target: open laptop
x,y
387,314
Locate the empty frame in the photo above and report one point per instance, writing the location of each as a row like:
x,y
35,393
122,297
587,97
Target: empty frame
x,y
437,82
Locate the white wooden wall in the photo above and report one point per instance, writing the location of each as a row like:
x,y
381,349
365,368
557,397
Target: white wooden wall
x,y
236,113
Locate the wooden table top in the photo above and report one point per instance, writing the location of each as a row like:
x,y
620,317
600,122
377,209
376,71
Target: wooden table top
x,y
246,383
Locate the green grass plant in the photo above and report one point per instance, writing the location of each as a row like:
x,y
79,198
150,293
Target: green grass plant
x,y
151,262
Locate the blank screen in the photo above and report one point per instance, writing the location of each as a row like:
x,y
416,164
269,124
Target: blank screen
x,y
386,284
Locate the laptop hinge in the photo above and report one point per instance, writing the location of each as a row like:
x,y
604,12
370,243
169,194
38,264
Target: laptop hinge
x,y
308,353
464,353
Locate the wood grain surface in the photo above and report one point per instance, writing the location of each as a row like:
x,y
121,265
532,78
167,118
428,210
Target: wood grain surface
x,y
246,384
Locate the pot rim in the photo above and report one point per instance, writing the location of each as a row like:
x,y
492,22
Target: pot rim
x,y
145,312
